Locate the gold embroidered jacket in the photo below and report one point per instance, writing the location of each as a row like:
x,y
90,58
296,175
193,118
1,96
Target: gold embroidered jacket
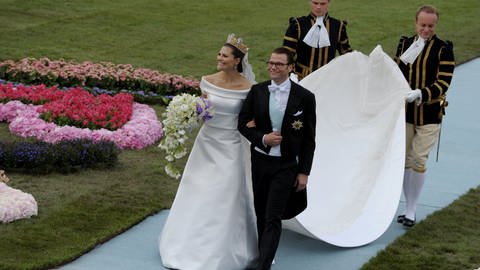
x,y
309,59
432,73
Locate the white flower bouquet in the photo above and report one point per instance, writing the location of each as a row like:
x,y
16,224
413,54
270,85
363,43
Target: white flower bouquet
x,y
183,113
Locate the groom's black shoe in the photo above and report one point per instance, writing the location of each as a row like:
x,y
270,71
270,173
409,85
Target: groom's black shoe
x,y
401,219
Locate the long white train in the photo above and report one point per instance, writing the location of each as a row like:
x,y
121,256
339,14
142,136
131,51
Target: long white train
x,y
356,180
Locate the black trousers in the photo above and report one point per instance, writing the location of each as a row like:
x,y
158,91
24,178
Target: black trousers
x,y
273,179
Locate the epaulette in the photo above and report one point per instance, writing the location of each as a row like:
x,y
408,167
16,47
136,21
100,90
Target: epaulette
x,y
292,20
449,44
344,22
403,38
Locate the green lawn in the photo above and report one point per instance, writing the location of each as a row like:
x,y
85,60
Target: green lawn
x,y
78,211
184,36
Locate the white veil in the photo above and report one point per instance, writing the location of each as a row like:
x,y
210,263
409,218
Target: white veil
x,y
247,70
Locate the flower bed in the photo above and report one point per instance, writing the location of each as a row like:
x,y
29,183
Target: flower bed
x,y
142,130
81,109
64,156
136,126
105,75
75,107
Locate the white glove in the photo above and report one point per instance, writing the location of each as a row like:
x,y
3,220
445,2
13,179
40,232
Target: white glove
x,y
294,77
414,95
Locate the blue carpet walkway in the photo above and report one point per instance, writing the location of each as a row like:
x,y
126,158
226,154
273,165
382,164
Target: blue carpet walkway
x,y
454,174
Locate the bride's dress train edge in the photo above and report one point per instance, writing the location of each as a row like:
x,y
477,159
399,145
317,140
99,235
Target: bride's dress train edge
x,y
356,180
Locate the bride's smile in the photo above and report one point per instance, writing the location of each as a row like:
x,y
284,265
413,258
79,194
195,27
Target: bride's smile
x,y
225,59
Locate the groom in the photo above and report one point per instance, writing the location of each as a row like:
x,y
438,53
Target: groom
x,y
282,137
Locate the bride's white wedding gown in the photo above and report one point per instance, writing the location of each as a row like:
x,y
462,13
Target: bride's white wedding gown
x,y
211,224
357,174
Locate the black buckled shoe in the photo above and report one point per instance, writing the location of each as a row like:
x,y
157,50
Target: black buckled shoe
x,y
408,222
401,219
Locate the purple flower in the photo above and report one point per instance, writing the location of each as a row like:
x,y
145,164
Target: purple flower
x,y
204,109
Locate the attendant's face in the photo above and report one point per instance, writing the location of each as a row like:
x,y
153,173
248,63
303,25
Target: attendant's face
x,y
319,7
425,24
279,68
226,60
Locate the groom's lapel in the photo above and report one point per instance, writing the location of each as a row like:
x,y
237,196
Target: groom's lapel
x,y
264,105
292,105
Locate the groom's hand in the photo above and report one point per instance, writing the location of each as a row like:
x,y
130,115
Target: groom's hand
x,y
251,124
302,180
273,138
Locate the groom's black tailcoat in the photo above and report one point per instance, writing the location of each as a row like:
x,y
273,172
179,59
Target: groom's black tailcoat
x,y
273,177
298,143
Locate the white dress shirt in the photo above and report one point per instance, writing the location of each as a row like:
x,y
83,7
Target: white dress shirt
x,y
280,94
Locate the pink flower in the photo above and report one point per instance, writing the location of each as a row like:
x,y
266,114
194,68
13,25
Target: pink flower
x,y
143,128
15,204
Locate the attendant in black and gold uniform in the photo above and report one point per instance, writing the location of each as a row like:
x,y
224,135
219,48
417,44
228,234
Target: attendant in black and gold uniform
x,y
427,63
315,38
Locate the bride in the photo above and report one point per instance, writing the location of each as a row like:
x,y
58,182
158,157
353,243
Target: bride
x,y
211,224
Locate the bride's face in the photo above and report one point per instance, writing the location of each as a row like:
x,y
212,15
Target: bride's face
x,y
226,60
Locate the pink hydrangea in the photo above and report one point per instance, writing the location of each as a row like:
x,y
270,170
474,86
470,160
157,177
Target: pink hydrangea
x,y
16,204
142,130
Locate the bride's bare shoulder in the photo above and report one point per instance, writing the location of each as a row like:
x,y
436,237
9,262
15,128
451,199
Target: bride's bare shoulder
x,y
212,78
243,83
232,83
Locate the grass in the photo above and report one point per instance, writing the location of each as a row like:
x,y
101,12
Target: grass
x,y
447,239
183,37
78,211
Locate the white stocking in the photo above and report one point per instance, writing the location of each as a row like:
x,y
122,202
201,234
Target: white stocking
x,y
406,178
412,187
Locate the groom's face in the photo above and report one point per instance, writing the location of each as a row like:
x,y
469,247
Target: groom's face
x,y
278,67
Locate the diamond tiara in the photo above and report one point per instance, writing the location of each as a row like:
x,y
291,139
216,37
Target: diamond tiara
x,y
237,43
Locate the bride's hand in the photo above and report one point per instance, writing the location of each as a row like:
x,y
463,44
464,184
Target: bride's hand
x,y
302,180
251,124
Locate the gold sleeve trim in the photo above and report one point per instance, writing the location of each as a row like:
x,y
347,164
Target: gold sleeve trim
x,y
449,74
444,83
290,39
447,63
440,89
429,93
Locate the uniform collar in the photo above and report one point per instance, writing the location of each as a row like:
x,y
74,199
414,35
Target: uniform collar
x,y
426,41
313,17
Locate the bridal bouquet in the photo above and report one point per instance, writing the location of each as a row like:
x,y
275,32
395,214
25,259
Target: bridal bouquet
x,y
183,113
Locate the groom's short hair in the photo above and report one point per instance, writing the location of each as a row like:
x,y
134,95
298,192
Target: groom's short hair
x,y
283,50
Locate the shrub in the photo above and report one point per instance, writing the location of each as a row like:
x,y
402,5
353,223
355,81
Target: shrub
x,y
65,156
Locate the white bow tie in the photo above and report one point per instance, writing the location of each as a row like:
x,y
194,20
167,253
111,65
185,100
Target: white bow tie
x,y
317,36
411,54
276,88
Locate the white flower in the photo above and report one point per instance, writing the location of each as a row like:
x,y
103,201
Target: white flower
x,y
183,114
